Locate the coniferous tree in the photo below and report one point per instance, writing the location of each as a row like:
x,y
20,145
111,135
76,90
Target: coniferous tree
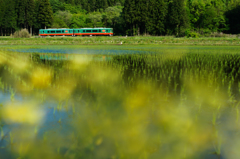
x,y
129,15
177,17
105,4
157,16
84,4
101,4
30,14
141,15
111,2
2,10
20,10
45,15
36,22
9,20
56,5
92,5
234,20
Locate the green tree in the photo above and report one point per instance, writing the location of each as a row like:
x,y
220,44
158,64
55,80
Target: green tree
x,y
197,9
141,15
129,15
56,5
96,19
36,23
9,20
112,13
30,14
78,21
62,19
101,4
177,17
2,11
157,16
92,5
45,15
21,13
233,20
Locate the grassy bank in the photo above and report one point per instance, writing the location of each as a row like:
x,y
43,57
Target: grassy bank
x,y
138,40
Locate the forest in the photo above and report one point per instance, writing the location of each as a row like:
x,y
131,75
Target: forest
x,y
131,17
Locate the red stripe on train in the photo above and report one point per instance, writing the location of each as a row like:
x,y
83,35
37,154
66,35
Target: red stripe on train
x,y
53,34
93,33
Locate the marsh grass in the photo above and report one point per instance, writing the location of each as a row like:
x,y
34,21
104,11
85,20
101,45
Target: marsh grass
x,y
116,40
168,103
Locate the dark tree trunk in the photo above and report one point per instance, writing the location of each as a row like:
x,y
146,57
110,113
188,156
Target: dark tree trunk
x,y
138,31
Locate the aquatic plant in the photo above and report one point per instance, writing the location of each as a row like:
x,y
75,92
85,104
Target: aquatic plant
x,y
169,103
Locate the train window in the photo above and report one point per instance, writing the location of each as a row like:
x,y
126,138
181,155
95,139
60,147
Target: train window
x,y
79,31
52,31
62,31
94,31
48,31
99,30
88,31
58,31
84,31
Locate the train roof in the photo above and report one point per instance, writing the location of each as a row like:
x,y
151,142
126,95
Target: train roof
x,y
72,28
93,28
55,29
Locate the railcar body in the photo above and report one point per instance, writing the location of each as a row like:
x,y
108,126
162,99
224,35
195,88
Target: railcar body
x,y
56,32
76,32
93,31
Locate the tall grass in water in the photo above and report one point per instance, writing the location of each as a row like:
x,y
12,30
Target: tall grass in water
x,y
165,105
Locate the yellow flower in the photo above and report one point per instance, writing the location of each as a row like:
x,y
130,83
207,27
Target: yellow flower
x,y
25,113
41,77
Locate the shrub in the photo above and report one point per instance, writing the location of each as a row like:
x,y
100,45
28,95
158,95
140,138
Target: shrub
x,y
23,33
191,34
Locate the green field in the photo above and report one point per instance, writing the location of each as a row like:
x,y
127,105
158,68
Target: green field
x,y
115,40
128,101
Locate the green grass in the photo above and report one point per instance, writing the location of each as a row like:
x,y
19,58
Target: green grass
x,y
115,40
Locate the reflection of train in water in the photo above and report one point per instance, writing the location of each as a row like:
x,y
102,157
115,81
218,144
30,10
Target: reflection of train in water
x,y
76,32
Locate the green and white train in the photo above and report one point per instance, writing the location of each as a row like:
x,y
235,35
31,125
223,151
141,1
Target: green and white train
x,y
76,32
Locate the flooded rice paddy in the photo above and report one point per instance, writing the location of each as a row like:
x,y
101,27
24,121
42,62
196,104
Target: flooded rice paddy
x,y
117,102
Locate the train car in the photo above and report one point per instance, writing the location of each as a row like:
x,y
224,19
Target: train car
x,y
76,32
93,31
56,32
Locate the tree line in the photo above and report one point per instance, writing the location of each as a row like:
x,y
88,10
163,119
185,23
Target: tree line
x,y
126,17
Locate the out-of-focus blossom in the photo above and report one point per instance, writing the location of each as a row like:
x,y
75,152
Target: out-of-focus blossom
x,y
25,113
41,77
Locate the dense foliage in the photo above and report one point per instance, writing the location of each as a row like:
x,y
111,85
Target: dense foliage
x,y
132,17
